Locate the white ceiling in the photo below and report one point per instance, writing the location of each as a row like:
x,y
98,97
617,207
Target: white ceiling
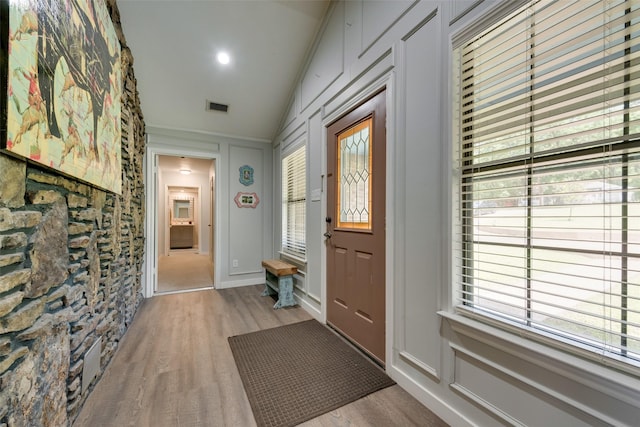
x,y
175,163
174,44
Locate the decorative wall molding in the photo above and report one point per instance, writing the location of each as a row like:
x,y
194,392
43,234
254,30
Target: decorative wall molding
x,y
363,86
384,31
201,136
417,363
468,394
594,386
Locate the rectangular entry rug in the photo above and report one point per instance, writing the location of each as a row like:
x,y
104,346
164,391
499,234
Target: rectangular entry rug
x,y
296,372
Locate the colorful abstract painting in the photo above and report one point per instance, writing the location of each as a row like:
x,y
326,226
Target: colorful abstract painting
x,y
64,85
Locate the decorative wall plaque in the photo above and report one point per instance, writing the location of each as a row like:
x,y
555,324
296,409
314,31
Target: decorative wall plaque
x,y
246,200
246,175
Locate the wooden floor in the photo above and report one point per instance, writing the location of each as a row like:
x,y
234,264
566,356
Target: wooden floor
x,y
174,367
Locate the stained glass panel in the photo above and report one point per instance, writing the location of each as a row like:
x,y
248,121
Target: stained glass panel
x,y
354,177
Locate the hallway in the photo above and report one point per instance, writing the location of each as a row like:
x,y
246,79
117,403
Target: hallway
x,y
184,270
174,367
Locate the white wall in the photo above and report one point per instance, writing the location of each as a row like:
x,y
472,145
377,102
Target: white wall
x,y
468,373
246,224
242,234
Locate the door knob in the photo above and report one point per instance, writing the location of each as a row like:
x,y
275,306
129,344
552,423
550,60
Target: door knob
x,y
327,235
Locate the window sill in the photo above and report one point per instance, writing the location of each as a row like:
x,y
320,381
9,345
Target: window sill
x,y
300,263
623,386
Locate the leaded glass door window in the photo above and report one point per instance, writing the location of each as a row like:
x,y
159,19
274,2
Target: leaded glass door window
x,y
354,177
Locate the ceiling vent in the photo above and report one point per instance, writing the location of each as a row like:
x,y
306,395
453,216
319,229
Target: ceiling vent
x,y
214,106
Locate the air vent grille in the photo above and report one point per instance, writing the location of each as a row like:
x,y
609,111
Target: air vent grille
x,y
214,106
91,366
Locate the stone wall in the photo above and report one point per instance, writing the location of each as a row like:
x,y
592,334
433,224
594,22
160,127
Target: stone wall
x,y
70,273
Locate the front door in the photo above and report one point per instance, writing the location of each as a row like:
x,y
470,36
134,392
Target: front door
x,y
356,155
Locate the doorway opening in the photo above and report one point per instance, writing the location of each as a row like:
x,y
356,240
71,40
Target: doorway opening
x,y
185,231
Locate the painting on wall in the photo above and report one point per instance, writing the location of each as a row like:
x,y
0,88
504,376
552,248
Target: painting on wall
x,y
61,60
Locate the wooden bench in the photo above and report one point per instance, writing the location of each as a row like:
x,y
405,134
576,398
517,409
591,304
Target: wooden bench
x,y
279,279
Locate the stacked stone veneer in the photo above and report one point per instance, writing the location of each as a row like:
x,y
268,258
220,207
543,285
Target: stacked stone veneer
x,y
70,273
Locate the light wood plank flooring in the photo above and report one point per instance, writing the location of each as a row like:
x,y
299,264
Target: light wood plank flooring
x,y
174,368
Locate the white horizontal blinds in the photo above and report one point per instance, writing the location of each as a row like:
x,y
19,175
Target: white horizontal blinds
x,y
294,189
548,119
547,67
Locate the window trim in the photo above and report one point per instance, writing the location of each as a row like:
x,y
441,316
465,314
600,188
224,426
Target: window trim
x,y
488,17
291,150
468,315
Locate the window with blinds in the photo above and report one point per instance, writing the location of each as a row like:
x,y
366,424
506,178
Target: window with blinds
x,y
294,189
547,130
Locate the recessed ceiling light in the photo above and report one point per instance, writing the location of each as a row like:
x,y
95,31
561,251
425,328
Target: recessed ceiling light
x,y
223,58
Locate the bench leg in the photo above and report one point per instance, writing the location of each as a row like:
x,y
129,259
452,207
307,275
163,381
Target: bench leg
x,y
268,291
285,293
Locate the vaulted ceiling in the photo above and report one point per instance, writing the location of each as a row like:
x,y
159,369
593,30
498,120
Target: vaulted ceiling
x,y
174,45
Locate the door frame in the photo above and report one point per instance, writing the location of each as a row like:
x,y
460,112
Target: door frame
x,y
196,208
386,82
150,269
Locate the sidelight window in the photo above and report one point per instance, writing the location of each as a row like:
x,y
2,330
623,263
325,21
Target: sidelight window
x,y
294,202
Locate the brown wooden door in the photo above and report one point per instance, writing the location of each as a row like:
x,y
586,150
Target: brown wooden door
x,y
356,147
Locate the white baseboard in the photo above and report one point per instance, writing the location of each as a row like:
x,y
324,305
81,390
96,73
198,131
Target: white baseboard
x,y
428,399
313,311
240,283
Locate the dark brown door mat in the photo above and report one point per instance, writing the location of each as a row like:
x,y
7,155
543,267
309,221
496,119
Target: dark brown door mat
x,y
297,372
